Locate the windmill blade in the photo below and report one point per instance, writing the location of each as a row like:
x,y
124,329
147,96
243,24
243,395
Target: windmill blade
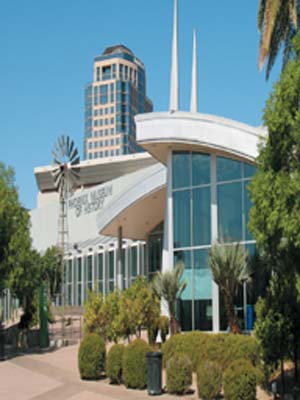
x,y
74,154
55,173
67,146
58,182
77,170
75,175
61,143
55,158
71,149
76,161
58,151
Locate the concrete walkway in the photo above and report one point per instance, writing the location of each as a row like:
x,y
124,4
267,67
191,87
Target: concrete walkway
x,y
54,376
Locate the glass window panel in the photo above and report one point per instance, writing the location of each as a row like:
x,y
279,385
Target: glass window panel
x,y
230,211
79,298
203,315
70,271
90,269
228,170
155,253
181,218
79,270
247,206
185,257
184,314
249,170
123,262
111,272
200,168
202,275
100,267
184,305
181,169
134,261
201,216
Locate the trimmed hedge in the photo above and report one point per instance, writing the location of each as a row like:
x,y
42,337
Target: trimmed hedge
x,y
209,380
134,364
91,357
179,374
240,380
222,348
114,363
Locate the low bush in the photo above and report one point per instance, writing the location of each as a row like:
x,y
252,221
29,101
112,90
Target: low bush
x,y
134,364
223,348
114,363
164,325
240,381
179,374
209,380
91,357
192,344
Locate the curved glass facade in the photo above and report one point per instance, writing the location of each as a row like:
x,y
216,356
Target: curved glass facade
x,y
202,183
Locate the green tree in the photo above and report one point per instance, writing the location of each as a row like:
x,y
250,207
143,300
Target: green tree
x,y
24,264
51,270
169,286
228,263
274,322
278,23
140,307
275,193
9,205
19,263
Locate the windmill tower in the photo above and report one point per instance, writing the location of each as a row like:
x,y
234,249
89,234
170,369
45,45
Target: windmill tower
x,y
65,173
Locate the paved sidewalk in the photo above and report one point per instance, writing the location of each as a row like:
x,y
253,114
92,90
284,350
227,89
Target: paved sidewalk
x,y
54,376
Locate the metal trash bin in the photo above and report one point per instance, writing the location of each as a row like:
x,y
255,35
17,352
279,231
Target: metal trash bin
x,y
154,373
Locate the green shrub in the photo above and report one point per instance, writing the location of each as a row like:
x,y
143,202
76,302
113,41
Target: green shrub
x,y
164,325
134,364
192,344
209,380
114,363
91,357
179,374
240,380
222,348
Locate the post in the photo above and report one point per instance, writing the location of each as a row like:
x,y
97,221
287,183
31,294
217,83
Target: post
x,y
43,309
119,259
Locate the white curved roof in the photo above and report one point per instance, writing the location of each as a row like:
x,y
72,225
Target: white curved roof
x,y
158,132
139,207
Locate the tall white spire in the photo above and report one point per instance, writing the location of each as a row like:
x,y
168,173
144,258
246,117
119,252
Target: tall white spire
x,y
194,92
174,93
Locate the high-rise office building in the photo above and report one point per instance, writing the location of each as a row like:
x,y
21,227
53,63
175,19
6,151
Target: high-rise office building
x,y
116,95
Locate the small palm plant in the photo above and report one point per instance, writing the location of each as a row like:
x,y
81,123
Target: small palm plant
x,y
169,286
228,263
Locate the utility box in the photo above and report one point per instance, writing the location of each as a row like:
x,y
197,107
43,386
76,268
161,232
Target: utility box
x,y
154,373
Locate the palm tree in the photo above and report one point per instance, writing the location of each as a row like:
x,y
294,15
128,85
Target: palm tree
x,y
277,22
228,263
169,286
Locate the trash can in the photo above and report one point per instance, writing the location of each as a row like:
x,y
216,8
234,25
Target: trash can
x,y
154,373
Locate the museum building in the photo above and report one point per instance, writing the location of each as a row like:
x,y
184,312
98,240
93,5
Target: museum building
x,y
136,214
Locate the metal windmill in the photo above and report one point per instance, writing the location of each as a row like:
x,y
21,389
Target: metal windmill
x,y
65,173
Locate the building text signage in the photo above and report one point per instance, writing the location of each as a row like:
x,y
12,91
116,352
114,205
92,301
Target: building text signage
x,y
91,201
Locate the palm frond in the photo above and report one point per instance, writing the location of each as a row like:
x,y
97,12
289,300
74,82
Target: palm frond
x,y
272,8
261,13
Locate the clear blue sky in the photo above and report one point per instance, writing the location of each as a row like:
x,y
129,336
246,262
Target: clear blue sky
x,y
47,50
